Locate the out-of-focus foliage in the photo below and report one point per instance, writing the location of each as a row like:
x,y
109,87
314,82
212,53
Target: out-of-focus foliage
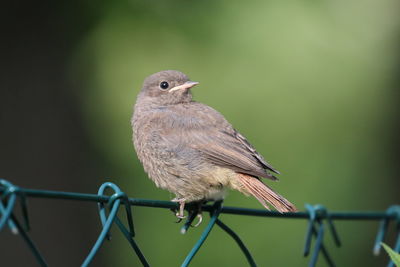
x,y
393,255
309,83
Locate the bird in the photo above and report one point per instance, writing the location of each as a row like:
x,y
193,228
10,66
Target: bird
x,y
191,150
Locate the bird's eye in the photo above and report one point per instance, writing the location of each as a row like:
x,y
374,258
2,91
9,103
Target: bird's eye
x,y
164,85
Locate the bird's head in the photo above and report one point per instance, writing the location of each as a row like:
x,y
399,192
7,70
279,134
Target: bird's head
x,y
167,87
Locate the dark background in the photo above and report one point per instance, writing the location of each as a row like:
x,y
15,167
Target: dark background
x,y
313,85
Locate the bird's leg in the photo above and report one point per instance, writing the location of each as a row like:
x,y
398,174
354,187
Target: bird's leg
x,y
180,215
181,202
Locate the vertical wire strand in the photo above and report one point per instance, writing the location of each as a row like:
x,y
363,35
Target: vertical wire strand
x,y
204,235
132,242
240,243
35,251
103,234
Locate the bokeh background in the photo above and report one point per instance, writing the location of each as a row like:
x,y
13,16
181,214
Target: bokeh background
x,y
314,85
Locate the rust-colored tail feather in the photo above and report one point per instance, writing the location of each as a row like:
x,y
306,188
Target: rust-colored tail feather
x,y
264,194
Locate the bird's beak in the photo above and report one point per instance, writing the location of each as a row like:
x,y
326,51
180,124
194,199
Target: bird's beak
x,y
185,86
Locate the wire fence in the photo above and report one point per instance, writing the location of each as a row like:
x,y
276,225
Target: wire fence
x,y
319,219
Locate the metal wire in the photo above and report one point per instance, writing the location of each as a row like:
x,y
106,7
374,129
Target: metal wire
x,y
319,220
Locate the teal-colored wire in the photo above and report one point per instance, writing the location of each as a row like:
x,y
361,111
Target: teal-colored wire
x,y
6,218
132,242
312,215
188,222
103,234
353,215
6,211
204,235
321,247
396,249
29,242
317,247
24,210
311,230
7,189
240,243
383,226
395,210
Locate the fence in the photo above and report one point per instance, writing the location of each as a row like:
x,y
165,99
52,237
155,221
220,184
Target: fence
x,y
319,219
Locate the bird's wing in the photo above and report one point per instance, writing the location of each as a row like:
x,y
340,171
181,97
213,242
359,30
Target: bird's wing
x,y
260,158
205,130
231,150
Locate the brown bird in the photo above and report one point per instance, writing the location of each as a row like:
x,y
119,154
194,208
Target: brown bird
x,y
191,150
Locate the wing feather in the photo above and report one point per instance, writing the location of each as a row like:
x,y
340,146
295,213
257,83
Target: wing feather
x,y
231,151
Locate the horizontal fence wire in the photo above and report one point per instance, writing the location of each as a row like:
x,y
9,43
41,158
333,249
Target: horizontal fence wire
x,y
320,220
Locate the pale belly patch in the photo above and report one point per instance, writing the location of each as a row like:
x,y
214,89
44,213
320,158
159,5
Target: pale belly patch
x,y
219,180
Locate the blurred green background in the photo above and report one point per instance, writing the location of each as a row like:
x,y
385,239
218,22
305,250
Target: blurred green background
x,y
313,85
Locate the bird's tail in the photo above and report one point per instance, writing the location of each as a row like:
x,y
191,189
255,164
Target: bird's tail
x,y
264,194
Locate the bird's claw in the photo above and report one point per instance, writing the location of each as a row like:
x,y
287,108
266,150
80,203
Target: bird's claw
x,y
180,216
200,216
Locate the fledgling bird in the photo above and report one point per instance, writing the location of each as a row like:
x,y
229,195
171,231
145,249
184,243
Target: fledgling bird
x,y
191,150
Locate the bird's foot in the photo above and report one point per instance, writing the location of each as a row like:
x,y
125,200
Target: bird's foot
x,y
198,213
